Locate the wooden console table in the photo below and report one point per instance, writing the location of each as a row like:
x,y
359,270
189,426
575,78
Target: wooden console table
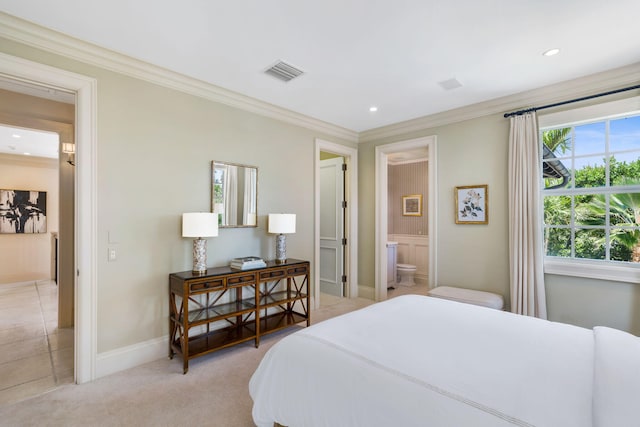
x,y
224,307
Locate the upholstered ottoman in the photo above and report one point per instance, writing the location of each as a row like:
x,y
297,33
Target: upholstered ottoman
x,y
469,296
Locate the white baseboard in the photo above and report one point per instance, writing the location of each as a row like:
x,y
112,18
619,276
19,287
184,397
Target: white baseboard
x,y
113,361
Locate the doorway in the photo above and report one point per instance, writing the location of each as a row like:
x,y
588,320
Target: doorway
x,y
382,203
85,239
349,286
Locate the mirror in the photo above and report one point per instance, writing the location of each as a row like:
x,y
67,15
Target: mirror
x,y
234,194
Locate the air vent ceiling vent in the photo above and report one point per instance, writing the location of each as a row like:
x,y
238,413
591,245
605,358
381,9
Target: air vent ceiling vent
x,y
283,71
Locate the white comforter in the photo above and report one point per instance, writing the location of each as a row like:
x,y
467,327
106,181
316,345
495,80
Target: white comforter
x,y
421,361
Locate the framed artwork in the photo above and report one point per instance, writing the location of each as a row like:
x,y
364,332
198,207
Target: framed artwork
x,y
23,212
412,205
472,204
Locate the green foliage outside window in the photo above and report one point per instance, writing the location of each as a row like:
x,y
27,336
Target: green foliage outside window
x,y
592,213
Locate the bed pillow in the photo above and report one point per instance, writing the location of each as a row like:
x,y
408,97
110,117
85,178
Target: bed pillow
x,y
616,387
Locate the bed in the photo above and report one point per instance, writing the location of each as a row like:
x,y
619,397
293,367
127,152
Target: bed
x,y
420,361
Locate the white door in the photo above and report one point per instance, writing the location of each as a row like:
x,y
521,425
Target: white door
x,y
331,226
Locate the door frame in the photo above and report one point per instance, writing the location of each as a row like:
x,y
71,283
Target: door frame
x,y
381,221
85,89
351,195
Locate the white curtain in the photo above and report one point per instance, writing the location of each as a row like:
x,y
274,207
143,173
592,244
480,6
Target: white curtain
x,y
230,192
250,196
525,238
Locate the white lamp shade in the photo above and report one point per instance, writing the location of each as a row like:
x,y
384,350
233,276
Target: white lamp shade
x,y
199,224
282,223
68,147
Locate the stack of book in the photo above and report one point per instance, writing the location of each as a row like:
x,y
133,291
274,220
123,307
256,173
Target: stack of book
x,y
247,263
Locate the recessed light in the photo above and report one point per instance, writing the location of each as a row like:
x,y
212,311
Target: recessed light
x,y
27,154
15,135
373,109
450,84
552,52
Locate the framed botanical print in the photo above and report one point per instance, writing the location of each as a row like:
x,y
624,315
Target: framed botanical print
x,y
472,204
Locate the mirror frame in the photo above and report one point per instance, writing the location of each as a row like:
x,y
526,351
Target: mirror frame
x,y
213,166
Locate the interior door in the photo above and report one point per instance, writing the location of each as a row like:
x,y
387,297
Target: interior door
x,y
332,226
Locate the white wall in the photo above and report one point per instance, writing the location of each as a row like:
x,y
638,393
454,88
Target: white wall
x,y
27,257
476,256
155,147
470,152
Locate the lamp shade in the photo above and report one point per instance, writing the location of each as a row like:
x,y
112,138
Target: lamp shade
x,y
282,223
199,224
68,147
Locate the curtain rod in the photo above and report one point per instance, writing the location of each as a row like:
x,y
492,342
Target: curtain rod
x,y
584,98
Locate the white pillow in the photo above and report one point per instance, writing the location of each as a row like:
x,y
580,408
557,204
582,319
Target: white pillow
x,y
616,385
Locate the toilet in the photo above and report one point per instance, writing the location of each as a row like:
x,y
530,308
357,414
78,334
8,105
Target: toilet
x,y
406,273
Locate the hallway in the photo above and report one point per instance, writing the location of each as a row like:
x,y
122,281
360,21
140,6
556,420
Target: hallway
x,y
35,356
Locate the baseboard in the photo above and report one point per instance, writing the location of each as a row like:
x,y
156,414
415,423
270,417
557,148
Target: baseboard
x,y
113,361
366,292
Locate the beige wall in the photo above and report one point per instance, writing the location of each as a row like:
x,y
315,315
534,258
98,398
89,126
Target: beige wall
x,y
470,152
154,151
475,256
155,146
27,257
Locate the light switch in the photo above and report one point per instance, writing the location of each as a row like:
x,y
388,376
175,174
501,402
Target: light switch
x,y
112,254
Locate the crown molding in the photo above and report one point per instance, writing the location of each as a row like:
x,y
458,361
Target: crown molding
x,y
33,35
21,160
583,86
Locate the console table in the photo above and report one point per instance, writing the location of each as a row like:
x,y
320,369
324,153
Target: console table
x,y
224,307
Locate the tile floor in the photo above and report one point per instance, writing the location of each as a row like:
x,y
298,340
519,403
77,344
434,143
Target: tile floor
x,y
35,356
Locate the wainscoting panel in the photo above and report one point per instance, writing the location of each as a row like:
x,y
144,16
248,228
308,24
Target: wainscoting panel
x,y
414,250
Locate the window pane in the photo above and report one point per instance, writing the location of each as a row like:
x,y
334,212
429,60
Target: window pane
x,y
590,139
624,134
555,174
557,210
591,210
624,209
624,245
557,242
590,243
624,169
558,141
589,172
591,191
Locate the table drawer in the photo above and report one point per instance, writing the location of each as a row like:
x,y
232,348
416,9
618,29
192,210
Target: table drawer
x,y
241,280
207,285
272,274
298,270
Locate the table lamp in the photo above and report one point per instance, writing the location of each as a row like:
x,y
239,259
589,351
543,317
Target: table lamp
x,y
282,224
199,225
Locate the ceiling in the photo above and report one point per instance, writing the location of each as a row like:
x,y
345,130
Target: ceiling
x,y
395,55
27,142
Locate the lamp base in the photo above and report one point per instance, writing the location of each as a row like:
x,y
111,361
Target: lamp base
x,y
281,249
199,256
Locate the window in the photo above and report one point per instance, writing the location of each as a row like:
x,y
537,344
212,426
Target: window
x,y
591,190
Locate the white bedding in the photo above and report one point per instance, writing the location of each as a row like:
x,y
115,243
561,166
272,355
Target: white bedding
x,y
421,361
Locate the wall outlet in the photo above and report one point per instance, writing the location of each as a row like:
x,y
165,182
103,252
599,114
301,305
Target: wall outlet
x,y
112,254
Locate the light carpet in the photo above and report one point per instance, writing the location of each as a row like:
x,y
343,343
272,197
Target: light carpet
x,y
213,393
